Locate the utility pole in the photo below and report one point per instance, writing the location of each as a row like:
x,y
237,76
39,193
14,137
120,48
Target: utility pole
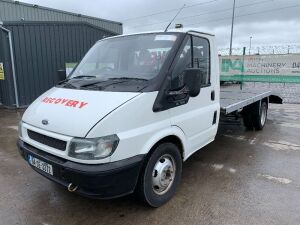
x,y
232,23
250,45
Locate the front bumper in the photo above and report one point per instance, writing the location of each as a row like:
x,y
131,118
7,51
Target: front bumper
x,y
102,181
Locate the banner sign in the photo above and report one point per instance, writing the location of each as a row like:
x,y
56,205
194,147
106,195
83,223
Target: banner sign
x,y
261,68
1,71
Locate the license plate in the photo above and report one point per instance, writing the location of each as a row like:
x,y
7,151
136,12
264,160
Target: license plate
x,y
46,167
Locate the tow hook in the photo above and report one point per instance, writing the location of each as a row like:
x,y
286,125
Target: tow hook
x,y
72,187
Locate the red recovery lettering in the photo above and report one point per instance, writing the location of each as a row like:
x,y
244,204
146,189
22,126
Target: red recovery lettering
x,y
65,102
45,100
57,101
69,103
50,100
82,104
74,103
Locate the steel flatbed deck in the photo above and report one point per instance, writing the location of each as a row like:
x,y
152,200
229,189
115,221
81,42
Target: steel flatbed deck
x,y
233,99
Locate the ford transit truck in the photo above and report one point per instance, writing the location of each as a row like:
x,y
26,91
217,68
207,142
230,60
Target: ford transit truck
x,y
131,112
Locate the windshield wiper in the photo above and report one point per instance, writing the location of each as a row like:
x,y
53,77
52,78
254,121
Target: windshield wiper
x,y
93,83
112,81
128,78
68,85
83,76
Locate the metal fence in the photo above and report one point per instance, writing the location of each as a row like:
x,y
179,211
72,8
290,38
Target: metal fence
x,y
263,50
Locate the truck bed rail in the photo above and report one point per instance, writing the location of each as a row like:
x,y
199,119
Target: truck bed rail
x,y
233,99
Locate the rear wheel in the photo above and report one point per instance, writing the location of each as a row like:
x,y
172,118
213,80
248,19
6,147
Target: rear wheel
x,y
161,175
247,119
260,113
255,115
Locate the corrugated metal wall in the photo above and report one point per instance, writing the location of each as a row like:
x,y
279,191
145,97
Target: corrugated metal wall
x,y
15,11
41,48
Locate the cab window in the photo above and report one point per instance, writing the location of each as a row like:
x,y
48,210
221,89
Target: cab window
x,y
197,56
184,61
201,58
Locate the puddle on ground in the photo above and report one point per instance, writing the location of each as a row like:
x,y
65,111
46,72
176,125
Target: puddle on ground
x,y
251,141
217,167
282,145
290,125
276,179
13,127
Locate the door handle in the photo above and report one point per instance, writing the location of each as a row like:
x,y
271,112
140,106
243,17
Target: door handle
x,y
212,95
215,118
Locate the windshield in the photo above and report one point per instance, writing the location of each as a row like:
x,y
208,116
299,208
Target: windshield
x,y
132,57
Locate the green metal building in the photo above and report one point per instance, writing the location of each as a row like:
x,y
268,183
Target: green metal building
x,y
36,41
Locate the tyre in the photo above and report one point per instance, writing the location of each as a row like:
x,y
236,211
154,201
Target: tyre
x,y
259,115
161,175
247,117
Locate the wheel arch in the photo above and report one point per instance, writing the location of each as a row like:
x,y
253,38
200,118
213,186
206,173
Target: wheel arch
x,y
175,136
170,139
144,183
267,100
276,99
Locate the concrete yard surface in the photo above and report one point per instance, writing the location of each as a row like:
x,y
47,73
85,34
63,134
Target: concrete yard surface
x,y
244,177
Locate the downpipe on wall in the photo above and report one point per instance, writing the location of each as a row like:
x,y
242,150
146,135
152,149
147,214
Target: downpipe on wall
x,y
12,58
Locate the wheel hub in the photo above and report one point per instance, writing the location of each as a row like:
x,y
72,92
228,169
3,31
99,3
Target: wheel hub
x,y
163,174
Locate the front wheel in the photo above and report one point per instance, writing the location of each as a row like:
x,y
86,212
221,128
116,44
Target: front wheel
x,y
161,175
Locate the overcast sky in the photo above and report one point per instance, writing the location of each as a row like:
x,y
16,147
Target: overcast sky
x,y
269,22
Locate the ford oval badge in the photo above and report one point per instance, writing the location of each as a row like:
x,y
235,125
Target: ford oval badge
x,y
45,122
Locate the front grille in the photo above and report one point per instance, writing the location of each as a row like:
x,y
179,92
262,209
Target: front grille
x,y
46,140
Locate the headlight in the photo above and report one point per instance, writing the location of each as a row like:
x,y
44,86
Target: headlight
x,y
20,129
93,148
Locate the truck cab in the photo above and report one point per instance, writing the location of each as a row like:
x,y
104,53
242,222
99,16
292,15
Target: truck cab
x,y
130,113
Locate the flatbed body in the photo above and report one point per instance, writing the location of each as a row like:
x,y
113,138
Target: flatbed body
x,y
233,99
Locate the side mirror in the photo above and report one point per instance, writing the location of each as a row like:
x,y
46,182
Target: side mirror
x,y
192,80
61,75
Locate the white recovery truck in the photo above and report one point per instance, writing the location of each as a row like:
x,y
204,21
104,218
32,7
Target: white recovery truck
x,y
131,112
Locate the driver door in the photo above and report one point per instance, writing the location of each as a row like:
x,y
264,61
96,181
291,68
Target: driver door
x,y
196,118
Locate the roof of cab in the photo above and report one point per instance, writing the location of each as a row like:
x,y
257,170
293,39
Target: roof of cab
x,y
188,30
176,30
